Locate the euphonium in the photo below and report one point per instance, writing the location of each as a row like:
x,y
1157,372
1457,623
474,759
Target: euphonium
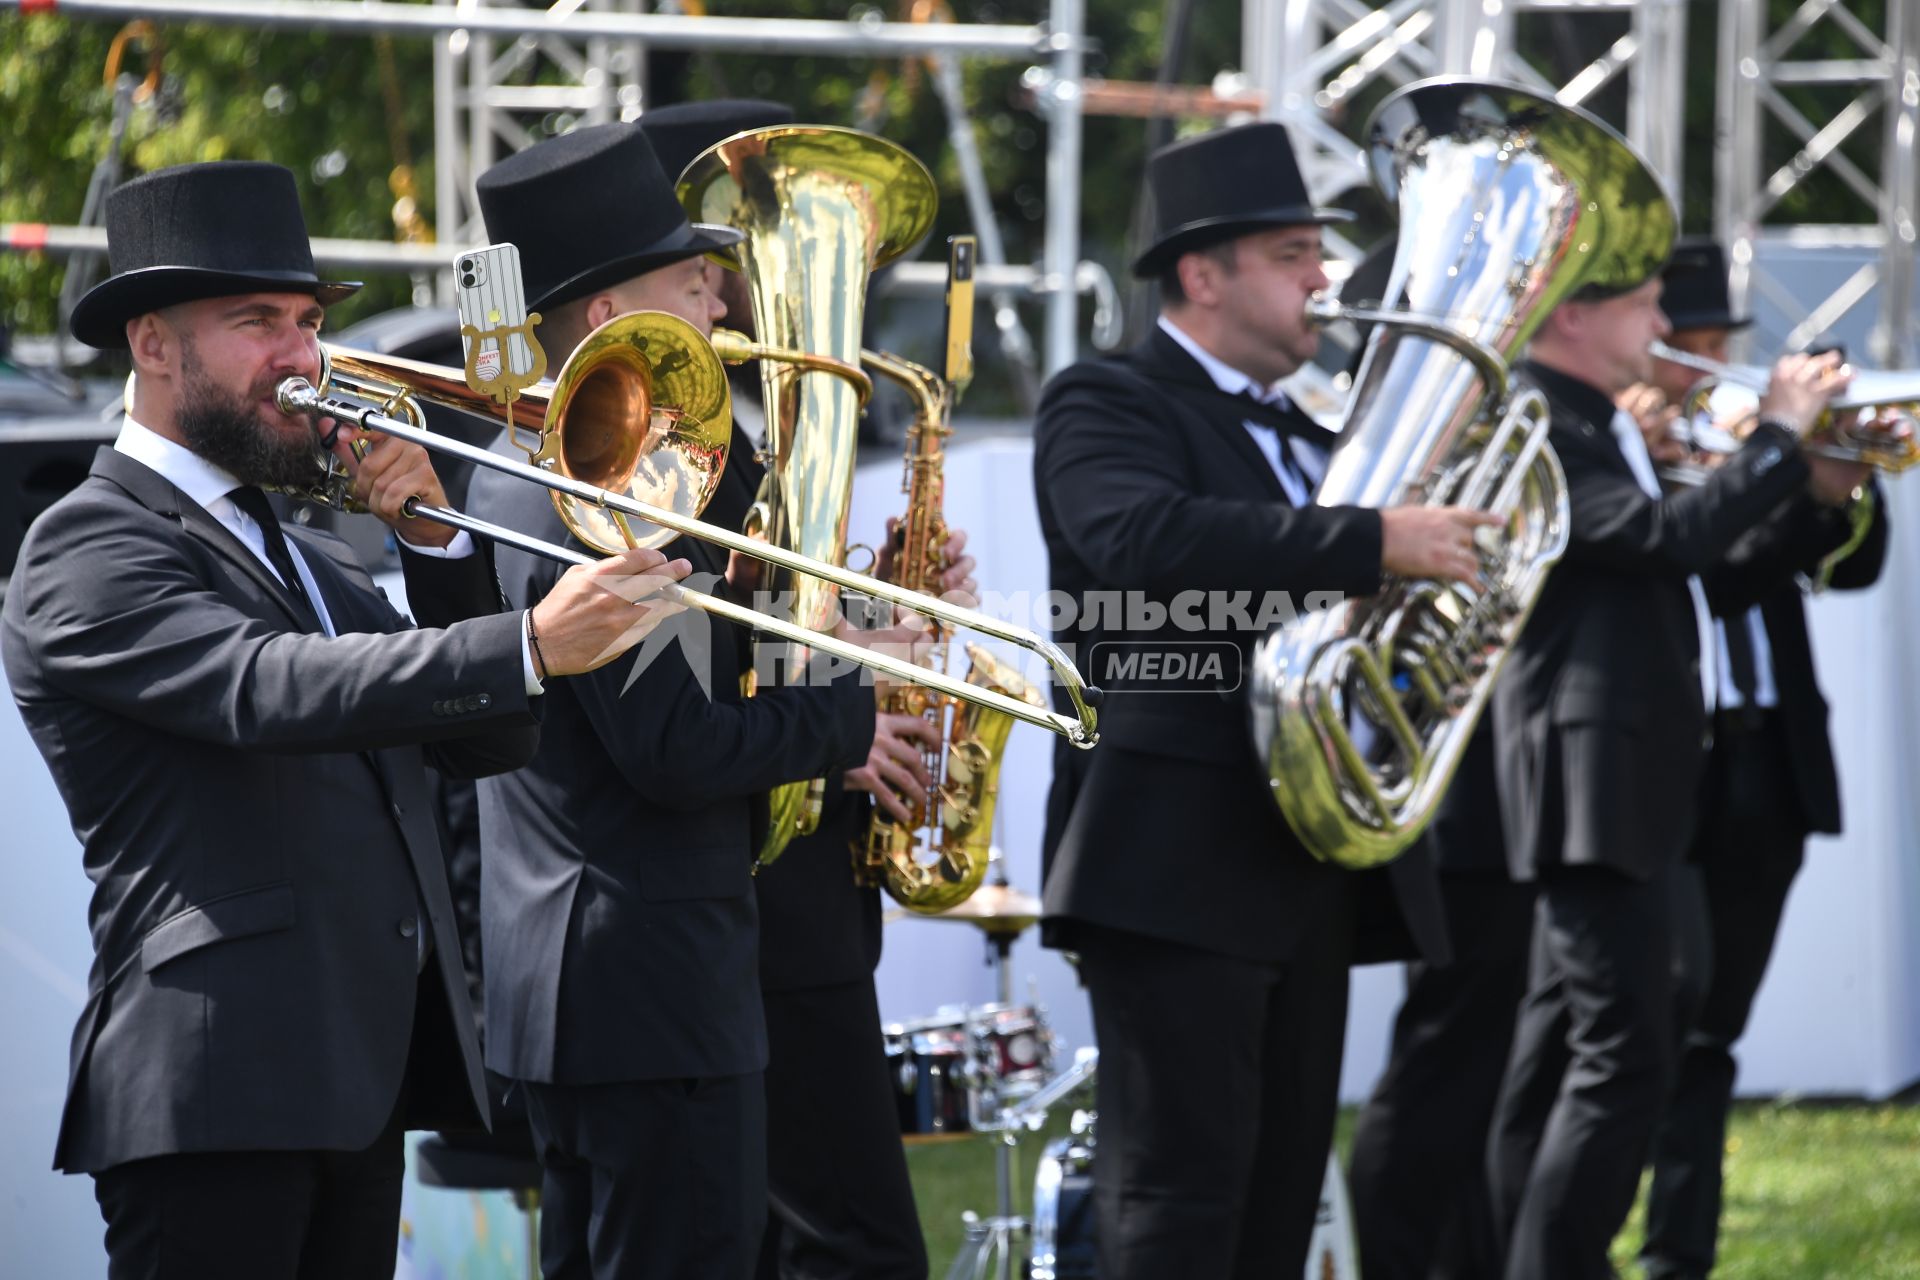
x,y
820,208
939,861
1509,203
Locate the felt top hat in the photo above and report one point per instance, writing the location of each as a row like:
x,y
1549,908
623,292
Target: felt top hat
x,y
685,129
1221,185
589,209
200,231
1694,293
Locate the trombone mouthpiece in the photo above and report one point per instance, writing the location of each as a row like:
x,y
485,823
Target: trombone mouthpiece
x,y
296,395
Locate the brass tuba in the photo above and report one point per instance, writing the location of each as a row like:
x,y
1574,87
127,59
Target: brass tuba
x,y
820,208
1509,203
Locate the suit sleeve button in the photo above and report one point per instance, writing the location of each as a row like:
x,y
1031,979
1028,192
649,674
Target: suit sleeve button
x,y
408,926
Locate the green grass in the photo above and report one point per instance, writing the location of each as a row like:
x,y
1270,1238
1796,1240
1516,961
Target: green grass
x,y
1814,1192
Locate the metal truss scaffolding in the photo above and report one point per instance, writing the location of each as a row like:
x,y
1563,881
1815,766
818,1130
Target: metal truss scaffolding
x,y
499,66
1882,85
1305,60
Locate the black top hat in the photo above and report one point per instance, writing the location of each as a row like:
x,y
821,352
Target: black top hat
x,y
1694,293
200,231
685,129
589,209
1221,185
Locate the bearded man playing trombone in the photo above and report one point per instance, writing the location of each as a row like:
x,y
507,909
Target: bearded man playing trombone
x,y
238,723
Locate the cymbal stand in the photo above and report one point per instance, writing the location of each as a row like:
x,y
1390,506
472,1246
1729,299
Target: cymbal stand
x,y
992,1244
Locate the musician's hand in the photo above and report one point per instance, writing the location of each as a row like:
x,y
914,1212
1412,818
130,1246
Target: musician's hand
x,y
1833,481
1432,542
895,773
390,472
1801,388
597,612
957,585
956,582
887,559
1655,417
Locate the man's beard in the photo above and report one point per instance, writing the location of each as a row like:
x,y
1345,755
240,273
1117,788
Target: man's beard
x,y
228,433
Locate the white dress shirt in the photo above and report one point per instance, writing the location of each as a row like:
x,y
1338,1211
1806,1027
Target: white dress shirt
x,y
1309,459
1633,446
1765,694
209,486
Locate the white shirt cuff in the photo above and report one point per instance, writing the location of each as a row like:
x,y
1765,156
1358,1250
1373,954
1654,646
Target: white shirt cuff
x,y
534,687
459,549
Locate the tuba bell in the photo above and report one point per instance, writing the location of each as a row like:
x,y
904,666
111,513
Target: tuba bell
x,y
1509,202
820,208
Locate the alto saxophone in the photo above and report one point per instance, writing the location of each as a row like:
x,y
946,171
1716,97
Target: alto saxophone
x,y
940,859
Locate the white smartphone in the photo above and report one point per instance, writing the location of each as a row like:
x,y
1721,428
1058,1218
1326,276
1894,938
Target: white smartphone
x,y
494,331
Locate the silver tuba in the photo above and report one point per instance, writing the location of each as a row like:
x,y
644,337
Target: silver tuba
x,y
1509,202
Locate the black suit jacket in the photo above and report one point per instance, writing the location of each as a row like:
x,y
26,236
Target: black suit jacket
x,y
255,818
617,907
818,927
1602,729
1817,531
1149,483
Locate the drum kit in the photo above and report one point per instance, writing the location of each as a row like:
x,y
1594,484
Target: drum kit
x,y
990,1069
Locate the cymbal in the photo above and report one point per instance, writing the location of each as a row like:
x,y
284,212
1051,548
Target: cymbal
x,y
995,908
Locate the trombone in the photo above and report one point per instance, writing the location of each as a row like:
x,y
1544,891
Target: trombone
x,y
1841,431
623,366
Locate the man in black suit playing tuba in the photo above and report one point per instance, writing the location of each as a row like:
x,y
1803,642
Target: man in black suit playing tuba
x,y
1214,947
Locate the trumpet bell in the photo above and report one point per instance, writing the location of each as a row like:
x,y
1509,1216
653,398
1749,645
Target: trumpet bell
x,y
642,409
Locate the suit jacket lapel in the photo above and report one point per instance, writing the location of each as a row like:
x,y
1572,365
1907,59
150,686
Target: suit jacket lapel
x,y
159,495
1166,361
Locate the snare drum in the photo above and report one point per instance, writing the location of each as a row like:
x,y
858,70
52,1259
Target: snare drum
x,y
1018,1047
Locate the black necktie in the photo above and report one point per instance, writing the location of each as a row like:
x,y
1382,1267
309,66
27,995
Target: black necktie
x,y
254,503
1740,658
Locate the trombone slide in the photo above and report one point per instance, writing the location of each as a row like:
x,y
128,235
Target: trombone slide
x,y
297,395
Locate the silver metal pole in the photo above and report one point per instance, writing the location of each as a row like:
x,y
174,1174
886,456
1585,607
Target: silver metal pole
x,y
1015,343
662,30
450,181
1893,340
1657,105
1736,160
1063,98
1473,35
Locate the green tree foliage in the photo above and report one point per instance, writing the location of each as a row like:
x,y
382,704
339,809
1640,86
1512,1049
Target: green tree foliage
x,y
315,103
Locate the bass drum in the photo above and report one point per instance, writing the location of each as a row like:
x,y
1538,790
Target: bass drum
x,y
1063,1219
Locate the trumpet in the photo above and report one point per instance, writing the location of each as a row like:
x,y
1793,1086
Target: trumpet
x,y
1846,430
603,421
